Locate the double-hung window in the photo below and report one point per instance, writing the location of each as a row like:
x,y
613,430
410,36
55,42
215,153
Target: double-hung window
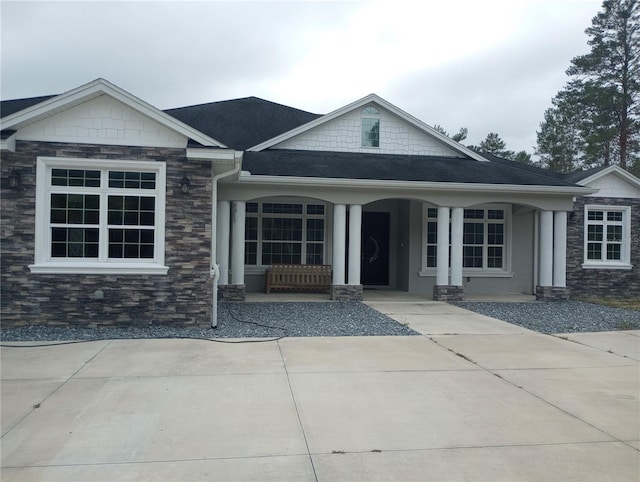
x,y
484,240
607,236
96,216
284,233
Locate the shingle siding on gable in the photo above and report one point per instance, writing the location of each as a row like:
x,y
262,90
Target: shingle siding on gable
x,y
180,298
344,135
602,282
103,121
613,186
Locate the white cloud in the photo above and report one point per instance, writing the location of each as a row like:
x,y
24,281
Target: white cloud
x,y
490,65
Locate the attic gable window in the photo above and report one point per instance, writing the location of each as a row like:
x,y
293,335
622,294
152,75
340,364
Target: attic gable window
x,y
370,127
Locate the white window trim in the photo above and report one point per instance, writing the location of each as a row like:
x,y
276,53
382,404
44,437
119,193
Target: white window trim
x,y
625,249
259,267
44,264
504,272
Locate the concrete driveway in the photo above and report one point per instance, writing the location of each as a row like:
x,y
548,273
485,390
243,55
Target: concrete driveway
x,y
472,399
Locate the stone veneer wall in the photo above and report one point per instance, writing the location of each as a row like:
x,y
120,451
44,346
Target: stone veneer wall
x,y
182,297
601,282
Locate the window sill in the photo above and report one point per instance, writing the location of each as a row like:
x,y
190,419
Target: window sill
x,y
607,266
470,274
98,268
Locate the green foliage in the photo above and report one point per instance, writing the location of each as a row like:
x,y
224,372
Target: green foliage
x,y
594,119
459,137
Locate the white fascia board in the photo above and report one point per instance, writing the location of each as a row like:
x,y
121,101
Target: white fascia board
x,y
212,154
95,89
418,124
414,185
223,161
617,170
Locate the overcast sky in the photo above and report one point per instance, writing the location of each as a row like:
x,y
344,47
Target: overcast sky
x,y
488,65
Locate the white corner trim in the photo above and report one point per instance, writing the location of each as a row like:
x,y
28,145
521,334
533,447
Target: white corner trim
x,y
98,268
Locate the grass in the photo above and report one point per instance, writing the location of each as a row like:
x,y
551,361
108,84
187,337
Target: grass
x,y
625,303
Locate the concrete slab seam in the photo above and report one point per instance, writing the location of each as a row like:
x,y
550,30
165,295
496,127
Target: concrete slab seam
x,y
295,404
566,338
520,387
37,405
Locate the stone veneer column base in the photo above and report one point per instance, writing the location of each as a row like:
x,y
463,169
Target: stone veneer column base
x,y
346,292
233,292
552,293
448,293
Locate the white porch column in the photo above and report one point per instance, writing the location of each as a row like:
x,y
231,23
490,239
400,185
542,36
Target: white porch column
x,y
546,248
457,229
355,235
222,240
442,250
238,214
339,242
560,249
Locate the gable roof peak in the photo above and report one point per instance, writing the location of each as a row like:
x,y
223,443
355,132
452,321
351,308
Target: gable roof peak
x,y
92,90
388,106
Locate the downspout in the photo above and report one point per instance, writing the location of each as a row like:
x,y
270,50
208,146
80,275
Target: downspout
x,y
215,269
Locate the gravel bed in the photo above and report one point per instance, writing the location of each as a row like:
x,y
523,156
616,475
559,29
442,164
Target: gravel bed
x,y
559,316
243,320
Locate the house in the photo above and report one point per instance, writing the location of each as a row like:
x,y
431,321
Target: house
x,y
118,213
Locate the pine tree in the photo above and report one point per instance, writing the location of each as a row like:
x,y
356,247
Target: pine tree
x,y
602,98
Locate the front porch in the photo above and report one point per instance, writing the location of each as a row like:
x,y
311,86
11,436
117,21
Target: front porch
x,y
378,295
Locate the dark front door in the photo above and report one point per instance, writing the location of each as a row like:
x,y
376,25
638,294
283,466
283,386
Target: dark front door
x,y
375,249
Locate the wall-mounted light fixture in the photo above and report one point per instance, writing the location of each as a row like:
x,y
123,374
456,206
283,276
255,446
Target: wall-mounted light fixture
x,y
14,179
184,184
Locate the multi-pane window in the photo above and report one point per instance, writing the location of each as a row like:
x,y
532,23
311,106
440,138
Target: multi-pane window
x,y
370,127
606,234
111,213
284,233
483,239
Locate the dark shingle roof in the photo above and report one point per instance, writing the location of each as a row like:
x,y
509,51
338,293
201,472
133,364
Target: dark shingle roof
x,y
346,165
242,123
8,107
580,175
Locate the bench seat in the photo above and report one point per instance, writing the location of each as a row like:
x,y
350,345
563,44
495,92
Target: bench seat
x,y
298,277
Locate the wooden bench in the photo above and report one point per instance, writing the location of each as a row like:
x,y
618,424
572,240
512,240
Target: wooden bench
x,y
298,277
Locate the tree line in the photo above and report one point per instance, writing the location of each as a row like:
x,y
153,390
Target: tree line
x,y
593,120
